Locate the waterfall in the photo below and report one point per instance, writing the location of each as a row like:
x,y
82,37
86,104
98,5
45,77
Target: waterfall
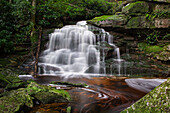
x,y
75,49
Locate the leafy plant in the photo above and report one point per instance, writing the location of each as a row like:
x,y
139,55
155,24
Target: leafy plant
x,y
152,38
157,14
2,78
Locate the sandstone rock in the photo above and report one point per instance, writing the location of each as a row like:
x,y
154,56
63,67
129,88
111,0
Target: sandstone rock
x,y
162,23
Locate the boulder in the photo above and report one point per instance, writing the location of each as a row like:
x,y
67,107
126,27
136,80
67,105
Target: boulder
x,y
109,21
49,97
136,8
15,100
137,22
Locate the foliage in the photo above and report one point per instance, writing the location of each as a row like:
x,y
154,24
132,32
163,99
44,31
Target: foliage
x,y
2,78
152,38
15,19
157,14
15,24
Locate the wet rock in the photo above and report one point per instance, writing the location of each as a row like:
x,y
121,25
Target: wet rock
x,y
49,97
15,100
145,85
68,84
157,101
34,88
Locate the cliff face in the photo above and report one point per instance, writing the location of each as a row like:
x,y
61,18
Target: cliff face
x,y
141,14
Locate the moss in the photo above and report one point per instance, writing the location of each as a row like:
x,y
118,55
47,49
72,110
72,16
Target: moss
x,y
102,18
153,49
137,22
149,48
34,88
15,100
136,7
142,46
49,97
63,93
69,109
157,101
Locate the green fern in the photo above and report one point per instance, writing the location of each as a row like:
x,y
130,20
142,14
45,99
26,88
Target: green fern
x,y
2,78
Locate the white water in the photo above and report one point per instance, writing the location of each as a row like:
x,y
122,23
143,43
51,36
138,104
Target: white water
x,y
75,49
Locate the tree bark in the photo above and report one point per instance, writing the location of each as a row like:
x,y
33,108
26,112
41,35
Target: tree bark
x,y
37,53
33,16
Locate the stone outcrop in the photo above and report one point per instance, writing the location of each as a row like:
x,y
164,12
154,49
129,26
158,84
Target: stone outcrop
x,y
140,14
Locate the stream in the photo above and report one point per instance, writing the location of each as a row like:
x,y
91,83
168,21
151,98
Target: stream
x,y
83,53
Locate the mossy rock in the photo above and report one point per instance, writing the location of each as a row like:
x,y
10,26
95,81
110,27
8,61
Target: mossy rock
x,y
157,101
49,97
109,20
34,88
153,49
136,8
139,22
15,100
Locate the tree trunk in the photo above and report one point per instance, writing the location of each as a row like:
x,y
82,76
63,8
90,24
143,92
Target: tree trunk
x,y
33,16
37,53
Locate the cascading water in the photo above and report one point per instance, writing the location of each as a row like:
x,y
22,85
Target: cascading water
x,y
76,49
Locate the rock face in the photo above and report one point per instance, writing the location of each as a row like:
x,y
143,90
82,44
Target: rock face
x,y
140,14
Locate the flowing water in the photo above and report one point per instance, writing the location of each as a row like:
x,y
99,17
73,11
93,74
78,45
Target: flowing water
x,y
79,54
78,49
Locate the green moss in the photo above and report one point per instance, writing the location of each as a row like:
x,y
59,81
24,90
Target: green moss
x,y
69,109
49,97
142,46
137,22
153,49
15,100
102,18
34,88
136,7
157,101
149,48
63,93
